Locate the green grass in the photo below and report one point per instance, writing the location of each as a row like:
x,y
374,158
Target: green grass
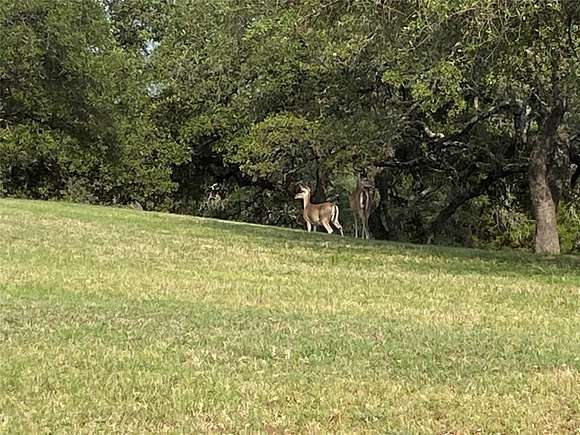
x,y
114,320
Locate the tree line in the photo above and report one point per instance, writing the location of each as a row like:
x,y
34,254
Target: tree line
x,y
464,113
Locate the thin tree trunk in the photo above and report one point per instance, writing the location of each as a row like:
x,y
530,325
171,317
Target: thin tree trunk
x,y
319,193
575,177
575,158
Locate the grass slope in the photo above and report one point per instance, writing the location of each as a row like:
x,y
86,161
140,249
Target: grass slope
x,y
114,320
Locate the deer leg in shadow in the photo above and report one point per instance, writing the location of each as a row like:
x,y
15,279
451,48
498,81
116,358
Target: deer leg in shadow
x,y
328,228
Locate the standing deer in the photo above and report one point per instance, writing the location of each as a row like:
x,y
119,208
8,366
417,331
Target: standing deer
x,y
360,203
323,214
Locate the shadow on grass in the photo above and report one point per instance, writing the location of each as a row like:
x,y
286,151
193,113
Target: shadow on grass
x,y
459,261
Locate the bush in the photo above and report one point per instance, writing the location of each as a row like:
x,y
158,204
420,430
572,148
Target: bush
x,y
31,162
569,227
249,204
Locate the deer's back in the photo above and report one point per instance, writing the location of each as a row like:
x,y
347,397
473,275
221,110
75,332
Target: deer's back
x,y
360,200
317,213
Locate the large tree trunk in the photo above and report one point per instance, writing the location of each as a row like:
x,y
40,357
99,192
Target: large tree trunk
x,y
546,239
544,207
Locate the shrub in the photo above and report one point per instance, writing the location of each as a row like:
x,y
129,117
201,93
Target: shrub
x,y
569,227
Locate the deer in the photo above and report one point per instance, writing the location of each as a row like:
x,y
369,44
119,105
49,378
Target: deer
x,y
324,214
360,203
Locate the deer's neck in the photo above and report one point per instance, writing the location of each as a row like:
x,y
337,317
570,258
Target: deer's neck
x,y
306,201
357,195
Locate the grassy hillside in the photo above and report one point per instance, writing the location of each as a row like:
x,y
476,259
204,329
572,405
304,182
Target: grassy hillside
x,y
114,320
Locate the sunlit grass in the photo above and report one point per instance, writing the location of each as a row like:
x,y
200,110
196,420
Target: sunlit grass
x,y
114,320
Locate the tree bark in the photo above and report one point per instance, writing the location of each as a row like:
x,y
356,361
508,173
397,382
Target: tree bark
x,y
575,159
546,239
544,207
319,193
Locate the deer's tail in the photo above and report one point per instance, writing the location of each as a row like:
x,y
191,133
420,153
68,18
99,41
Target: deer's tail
x,y
334,219
334,214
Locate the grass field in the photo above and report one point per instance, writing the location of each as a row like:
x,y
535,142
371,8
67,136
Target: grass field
x,y
114,320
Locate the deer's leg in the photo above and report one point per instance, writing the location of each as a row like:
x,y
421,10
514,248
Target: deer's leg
x,y
367,228
355,227
327,226
338,226
308,226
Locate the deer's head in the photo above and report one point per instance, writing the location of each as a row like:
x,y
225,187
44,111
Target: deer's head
x,y
304,193
364,182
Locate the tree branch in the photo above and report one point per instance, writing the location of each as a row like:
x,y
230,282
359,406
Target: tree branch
x,y
399,164
430,134
461,197
438,138
482,116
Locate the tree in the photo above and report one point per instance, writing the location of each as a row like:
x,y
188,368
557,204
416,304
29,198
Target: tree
x,y
516,61
247,76
74,119
458,108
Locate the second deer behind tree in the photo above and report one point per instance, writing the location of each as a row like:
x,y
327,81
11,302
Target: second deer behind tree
x,y
360,203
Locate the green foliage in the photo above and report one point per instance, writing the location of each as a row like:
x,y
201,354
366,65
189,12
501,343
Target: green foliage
x,y
74,117
279,147
504,226
31,161
248,204
569,227
508,227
